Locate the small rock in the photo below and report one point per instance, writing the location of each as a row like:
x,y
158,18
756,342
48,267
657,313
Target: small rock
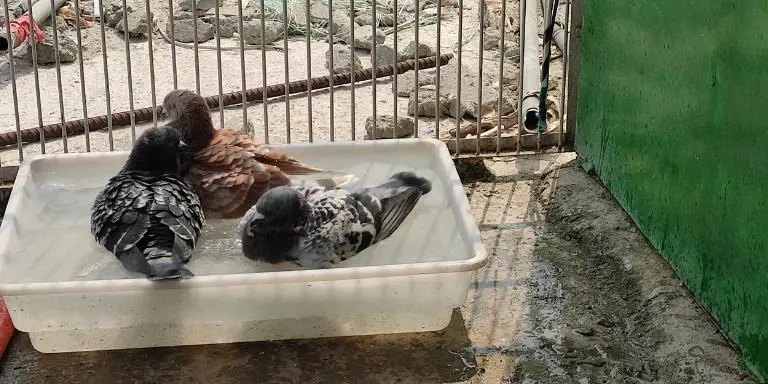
x,y
388,19
423,50
426,103
46,50
113,12
319,12
61,24
410,6
385,124
364,19
342,59
585,331
491,41
183,15
606,323
340,26
184,31
385,19
592,362
364,37
406,82
385,55
227,25
252,32
138,25
297,15
512,53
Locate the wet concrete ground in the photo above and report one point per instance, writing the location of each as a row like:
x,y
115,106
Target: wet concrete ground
x,y
572,294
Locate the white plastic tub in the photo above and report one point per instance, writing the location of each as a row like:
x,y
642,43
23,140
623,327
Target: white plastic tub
x,y
69,294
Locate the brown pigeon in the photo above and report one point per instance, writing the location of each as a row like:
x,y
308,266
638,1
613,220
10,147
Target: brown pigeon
x,y
230,170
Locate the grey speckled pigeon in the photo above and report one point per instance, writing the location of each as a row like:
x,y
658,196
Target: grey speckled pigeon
x,y
147,215
317,227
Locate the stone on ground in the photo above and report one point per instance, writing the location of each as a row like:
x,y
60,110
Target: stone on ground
x,y
138,25
424,50
426,104
252,32
342,59
385,124
46,49
184,31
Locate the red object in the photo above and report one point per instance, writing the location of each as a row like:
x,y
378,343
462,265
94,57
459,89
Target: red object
x,y
6,327
20,30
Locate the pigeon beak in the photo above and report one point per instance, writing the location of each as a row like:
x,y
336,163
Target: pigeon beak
x,y
183,145
258,216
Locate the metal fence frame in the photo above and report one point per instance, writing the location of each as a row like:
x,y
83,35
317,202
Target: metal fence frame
x,y
495,145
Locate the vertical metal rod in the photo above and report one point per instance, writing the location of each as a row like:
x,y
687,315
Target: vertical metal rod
x,y
520,92
59,86
14,91
330,64
151,50
396,58
309,73
219,78
264,72
437,67
286,73
173,45
32,42
458,74
480,63
416,68
374,83
82,76
373,56
563,81
127,40
107,93
195,44
244,103
502,50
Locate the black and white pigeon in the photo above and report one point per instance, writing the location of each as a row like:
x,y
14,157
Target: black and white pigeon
x,y
147,215
318,227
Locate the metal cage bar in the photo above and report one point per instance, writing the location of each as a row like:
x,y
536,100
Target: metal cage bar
x,y
234,58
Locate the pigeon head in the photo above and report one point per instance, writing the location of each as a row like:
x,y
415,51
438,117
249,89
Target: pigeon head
x,y
280,211
159,150
189,113
275,225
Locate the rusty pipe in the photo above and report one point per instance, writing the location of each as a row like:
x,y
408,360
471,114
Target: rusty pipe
x,y
76,127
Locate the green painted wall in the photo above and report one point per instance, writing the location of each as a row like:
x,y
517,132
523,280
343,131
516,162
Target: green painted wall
x,y
673,116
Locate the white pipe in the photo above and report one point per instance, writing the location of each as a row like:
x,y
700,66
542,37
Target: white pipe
x,y
531,65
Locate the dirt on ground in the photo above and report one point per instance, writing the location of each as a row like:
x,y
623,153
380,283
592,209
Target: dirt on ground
x,y
572,293
604,305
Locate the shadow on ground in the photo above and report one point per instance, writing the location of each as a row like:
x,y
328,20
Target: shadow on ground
x,y
430,357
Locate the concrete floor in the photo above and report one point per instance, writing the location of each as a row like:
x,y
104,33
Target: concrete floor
x,y
572,293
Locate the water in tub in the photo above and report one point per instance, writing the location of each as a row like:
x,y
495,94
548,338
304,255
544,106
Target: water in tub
x,y
53,240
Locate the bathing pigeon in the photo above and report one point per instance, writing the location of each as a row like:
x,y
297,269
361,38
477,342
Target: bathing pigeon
x,y
230,170
317,227
147,215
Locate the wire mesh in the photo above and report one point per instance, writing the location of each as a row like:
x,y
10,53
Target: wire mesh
x,y
264,43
